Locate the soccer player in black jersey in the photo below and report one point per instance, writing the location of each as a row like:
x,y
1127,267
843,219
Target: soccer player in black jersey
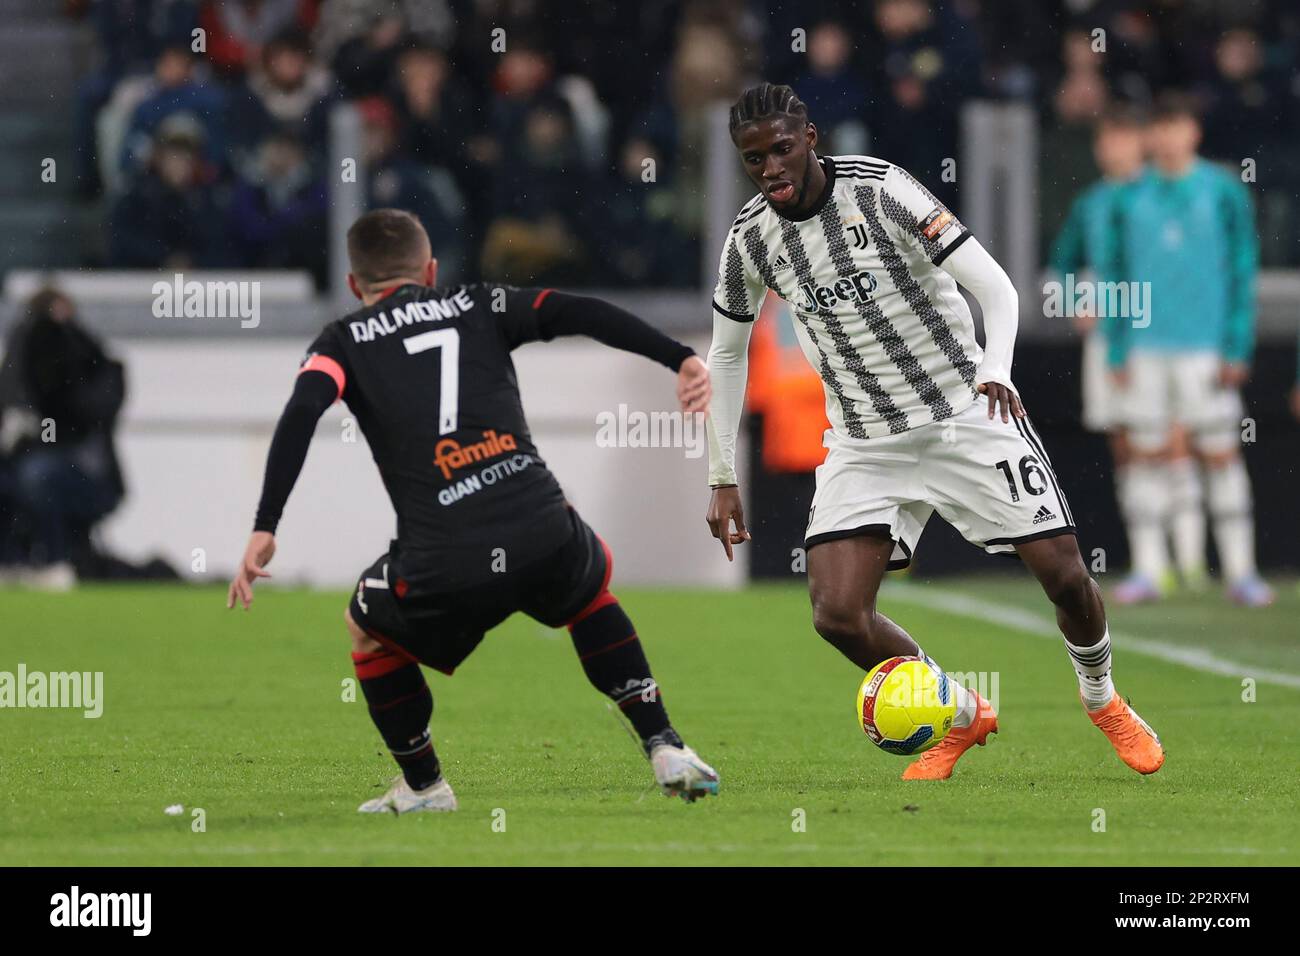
x,y
483,529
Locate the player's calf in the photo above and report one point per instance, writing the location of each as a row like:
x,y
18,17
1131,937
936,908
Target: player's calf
x,y
1081,616
400,705
1234,527
1059,568
614,661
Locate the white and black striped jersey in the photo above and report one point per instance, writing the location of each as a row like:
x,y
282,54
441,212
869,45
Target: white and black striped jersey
x,y
888,331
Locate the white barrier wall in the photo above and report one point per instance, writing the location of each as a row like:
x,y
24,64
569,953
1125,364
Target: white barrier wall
x,y
199,418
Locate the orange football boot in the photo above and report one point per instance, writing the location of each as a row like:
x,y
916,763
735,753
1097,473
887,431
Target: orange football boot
x,y
937,762
1130,735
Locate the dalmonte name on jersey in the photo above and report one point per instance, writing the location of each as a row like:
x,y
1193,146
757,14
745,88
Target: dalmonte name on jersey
x,y
888,331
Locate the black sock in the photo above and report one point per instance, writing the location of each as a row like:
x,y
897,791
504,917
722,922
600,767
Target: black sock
x,y
615,664
400,705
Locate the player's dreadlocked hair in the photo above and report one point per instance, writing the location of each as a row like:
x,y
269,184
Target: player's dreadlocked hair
x,y
760,102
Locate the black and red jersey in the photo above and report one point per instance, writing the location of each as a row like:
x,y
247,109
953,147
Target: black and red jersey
x,y
428,374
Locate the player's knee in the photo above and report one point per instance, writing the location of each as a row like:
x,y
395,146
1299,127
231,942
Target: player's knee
x,y
1069,586
840,622
362,643
1215,460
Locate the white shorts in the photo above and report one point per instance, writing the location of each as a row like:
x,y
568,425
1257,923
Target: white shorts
x,y
990,480
1168,388
1103,399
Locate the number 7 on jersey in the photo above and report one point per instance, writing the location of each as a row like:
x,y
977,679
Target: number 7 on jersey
x,y
449,394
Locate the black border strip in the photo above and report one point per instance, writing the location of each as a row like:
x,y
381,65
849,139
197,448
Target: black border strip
x,y
1036,536
734,316
965,234
871,530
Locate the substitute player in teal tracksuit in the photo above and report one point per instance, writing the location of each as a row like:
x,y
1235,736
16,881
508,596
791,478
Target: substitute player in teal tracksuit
x,y
1078,251
1187,228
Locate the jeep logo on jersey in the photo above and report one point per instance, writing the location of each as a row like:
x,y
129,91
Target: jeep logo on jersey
x,y
854,288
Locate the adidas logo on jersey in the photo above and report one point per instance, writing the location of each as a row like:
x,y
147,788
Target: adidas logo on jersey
x,y
781,264
1044,514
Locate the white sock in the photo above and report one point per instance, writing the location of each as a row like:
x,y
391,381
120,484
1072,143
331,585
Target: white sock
x,y
1121,487
1234,520
1187,517
1092,667
963,698
966,704
1147,494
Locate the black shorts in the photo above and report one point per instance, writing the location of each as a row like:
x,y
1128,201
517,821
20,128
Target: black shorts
x,y
441,630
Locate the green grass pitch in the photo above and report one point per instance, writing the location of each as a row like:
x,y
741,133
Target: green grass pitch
x,y
243,715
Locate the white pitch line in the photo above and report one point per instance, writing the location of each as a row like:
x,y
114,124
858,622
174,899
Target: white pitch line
x,y
1005,615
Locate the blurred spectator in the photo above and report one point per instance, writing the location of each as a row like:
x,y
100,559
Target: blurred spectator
x,y
237,30
288,93
706,68
177,89
539,204
1138,60
278,211
833,89
1018,38
363,61
395,180
343,22
435,109
919,80
1247,104
1251,113
1079,100
522,81
640,244
60,394
130,34
169,217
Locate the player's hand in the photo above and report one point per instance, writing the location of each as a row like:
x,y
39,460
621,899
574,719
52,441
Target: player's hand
x,y
258,554
1119,376
1085,322
693,386
1001,397
724,508
1233,374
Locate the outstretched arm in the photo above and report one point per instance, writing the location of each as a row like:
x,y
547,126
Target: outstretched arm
x,y
976,270
313,393
560,313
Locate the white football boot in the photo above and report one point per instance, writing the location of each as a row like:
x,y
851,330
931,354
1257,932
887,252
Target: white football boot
x,y
680,772
400,798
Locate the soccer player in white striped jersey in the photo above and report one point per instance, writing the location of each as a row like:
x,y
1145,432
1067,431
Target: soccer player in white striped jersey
x,y
922,419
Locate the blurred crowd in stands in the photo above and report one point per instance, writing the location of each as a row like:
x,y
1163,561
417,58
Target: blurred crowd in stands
x,y
525,152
